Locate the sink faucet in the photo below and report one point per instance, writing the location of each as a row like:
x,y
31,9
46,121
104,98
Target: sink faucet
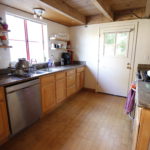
x,y
33,61
53,62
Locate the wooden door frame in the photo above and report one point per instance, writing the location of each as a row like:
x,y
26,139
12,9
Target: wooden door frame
x,y
133,53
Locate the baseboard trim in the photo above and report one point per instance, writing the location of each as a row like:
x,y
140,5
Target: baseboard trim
x,y
111,94
89,89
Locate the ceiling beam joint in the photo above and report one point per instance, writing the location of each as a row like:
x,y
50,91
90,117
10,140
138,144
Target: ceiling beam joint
x,y
104,8
147,10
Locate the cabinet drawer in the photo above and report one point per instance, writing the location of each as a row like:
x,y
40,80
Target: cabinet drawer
x,y
47,79
1,94
60,75
80,69
71,80
71,72
71,90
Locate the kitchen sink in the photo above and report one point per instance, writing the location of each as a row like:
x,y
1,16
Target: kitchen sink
x,y
50,69
46,70
40,72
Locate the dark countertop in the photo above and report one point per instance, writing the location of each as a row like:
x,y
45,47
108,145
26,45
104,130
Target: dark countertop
x,y
143,94
7,80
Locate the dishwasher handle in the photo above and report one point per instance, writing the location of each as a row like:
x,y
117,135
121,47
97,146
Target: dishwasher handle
x,y
22,85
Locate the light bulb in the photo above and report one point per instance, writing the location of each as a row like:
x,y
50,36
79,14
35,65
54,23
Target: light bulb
x,y
41,17
35,16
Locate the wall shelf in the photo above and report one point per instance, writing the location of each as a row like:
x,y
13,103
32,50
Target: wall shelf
x,y
4,31
57,39
5,46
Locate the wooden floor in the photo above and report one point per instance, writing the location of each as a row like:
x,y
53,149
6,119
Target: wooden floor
x,y
87,121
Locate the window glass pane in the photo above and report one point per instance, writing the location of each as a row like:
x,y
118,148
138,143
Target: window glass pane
x,y
122,44
18,50
38,41
36,51
109,44
16,25
34,31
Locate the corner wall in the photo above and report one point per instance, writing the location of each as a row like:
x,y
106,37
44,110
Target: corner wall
x,y
85,44
142,55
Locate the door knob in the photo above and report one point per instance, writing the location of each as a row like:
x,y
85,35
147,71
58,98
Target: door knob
x,y
128,64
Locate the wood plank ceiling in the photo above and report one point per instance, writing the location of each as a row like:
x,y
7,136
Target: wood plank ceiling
x,y
79,12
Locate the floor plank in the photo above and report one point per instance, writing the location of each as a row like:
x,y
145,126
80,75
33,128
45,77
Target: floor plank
x,y
87,121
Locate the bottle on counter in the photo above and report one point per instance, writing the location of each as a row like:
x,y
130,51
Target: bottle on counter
x,y
49,63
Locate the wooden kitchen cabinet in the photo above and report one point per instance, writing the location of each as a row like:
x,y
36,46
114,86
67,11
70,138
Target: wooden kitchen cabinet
x,y
57,87
61,89
136,125
80,78
71,82
4,127
48,92
143,138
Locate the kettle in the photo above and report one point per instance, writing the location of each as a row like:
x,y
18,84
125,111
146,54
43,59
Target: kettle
x,y
22,64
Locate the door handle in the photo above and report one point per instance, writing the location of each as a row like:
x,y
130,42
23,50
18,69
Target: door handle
x,y
128,66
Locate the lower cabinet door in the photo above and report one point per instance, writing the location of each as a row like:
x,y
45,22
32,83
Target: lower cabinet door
x,y
143,140
71,90
71,79
80,80
48,96
60,90
4,128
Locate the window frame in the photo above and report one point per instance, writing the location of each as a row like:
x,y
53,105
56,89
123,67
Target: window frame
x,y
26,34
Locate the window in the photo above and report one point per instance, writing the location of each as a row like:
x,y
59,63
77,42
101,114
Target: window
x,y
28,38
116,44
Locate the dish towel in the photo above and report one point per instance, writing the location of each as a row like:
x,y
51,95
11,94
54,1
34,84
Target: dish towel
x,y
129,106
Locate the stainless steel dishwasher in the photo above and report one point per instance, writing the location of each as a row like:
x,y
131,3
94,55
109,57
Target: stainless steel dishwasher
x,y
24,104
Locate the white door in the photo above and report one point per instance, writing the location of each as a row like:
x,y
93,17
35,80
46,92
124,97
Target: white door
x,y
116,59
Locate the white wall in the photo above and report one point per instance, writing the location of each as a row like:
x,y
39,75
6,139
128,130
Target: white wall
x,y
53,28
85,43
143,44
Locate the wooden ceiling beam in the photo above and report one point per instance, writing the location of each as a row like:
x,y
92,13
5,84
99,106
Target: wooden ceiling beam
x,y
96,19
104,8
129,14
147,10
64,9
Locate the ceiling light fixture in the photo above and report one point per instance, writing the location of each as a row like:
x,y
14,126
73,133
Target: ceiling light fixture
x,y
38,12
